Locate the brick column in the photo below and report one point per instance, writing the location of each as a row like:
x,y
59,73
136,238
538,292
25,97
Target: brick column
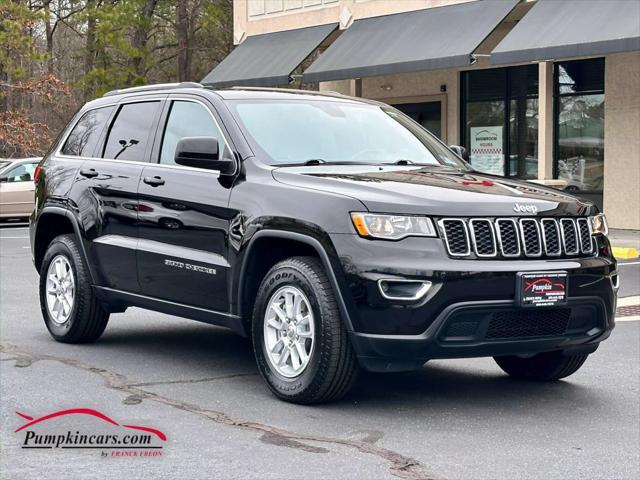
x,y
545,121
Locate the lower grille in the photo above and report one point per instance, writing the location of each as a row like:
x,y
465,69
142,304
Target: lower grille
x,y
529,323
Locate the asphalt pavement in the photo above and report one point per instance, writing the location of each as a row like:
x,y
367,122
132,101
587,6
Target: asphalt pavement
x,y
198,385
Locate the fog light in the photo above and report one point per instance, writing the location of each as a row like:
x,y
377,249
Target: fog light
x,y
407,290
615,281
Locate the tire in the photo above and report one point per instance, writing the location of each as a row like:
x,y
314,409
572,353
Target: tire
x,y
332,367
543,367
86,319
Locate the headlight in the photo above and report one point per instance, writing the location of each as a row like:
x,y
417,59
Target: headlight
x,y
599,224
392,227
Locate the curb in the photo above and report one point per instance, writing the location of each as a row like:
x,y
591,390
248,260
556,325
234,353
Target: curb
x,y
624,253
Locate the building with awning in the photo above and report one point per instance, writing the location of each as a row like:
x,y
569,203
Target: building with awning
x,y
268,59
542,90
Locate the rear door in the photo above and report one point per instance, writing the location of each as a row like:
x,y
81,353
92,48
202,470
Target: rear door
x,y
183,214
109,209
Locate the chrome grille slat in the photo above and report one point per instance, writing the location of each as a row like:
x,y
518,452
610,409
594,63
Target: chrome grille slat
x,y
551,237
584,233
531,238
569,236
508,237
456,236
526,237
483,237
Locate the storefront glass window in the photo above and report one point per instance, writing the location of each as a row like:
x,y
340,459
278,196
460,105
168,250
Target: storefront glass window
x,y
579,125
500,115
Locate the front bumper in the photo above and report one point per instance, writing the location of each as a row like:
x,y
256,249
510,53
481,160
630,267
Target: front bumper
x,y
470,311
469,330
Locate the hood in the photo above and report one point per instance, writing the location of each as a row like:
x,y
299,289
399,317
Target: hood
x,y
439,191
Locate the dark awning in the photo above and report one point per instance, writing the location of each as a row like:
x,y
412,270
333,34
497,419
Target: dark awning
x,y
571,28
267,60
428,39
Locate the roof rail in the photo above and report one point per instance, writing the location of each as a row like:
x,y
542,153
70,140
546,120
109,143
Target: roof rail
x,y
157,86
326,93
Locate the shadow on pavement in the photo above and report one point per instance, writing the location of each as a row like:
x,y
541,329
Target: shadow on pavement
x,y
198,350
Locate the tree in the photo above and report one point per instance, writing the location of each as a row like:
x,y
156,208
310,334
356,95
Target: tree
x,y
18,134
57,54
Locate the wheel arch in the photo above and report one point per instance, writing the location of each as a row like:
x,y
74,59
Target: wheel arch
x,y
290,244
52,222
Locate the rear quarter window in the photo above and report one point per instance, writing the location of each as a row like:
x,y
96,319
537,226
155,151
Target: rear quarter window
x,y
84,137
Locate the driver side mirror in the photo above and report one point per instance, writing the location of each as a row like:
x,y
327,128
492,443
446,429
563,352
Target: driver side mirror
x,y
203,152
4,180
460,151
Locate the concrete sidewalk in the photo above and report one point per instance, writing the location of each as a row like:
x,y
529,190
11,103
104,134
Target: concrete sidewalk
x,y
625,243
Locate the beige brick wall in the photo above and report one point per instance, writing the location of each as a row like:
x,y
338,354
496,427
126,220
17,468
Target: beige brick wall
x,y
622,140
253,17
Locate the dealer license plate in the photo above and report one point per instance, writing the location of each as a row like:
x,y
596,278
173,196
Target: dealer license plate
x,y
541,289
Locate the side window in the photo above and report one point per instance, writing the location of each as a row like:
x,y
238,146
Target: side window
x,y
129,132
187,119
82,140
21,173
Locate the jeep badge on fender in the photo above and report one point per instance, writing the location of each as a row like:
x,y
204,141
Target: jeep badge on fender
x,y
289,218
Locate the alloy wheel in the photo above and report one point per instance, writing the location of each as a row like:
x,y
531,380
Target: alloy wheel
x,y
289,331
60,289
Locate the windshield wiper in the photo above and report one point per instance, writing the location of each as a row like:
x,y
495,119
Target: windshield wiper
x,y
403,161
314,161
321,161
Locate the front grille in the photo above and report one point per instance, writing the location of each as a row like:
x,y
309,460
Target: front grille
x,y
517,237
528,323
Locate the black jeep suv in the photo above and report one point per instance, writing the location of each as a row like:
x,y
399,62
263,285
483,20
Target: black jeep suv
x,y
334,231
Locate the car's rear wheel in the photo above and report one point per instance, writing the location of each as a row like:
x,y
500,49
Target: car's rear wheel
x,y
301,345
69,307
546,366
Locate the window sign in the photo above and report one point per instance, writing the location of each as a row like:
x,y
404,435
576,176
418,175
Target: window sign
x,y
486,149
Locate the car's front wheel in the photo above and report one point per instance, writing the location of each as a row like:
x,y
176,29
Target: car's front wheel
x,y
69,307
542,367
300,343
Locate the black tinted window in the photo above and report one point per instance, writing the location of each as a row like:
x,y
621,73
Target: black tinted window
x,y
129,133
580,76
85,135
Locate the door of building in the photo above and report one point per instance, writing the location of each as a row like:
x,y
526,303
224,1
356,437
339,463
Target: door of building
x,y
500,120
429,114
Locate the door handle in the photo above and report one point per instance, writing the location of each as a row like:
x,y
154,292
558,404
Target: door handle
x,y
90,173
153,181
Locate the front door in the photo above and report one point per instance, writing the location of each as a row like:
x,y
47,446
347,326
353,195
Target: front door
x,y
108,203
183,216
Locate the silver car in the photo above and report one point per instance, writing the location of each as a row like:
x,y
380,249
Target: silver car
x,y
17,187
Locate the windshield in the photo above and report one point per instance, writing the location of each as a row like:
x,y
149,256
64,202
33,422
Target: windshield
x,y
317,131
